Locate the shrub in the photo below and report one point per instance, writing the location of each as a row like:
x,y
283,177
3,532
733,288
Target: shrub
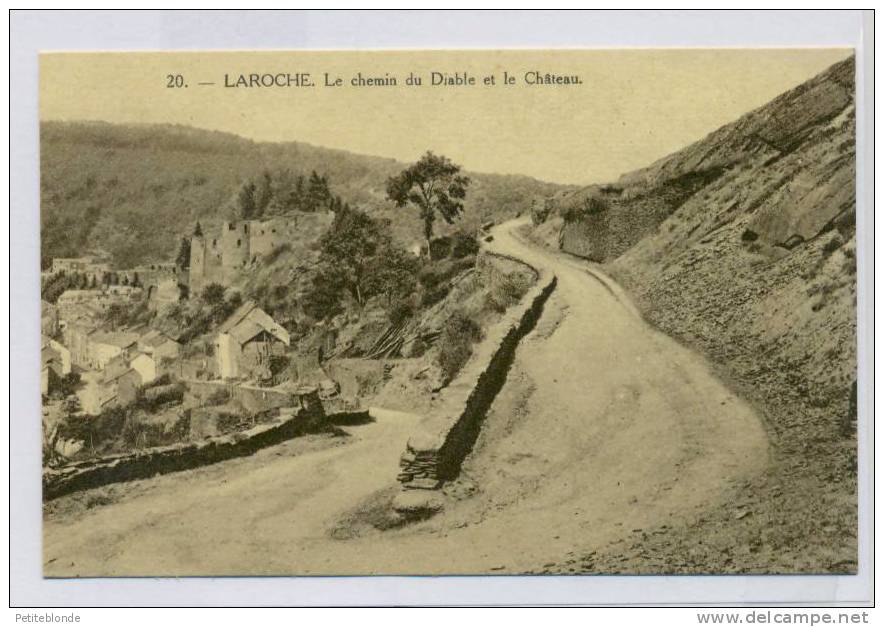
x,y
440,247
507,291
832,245
213,294
401,311
456,343
152,398
463,244
218,397
164,379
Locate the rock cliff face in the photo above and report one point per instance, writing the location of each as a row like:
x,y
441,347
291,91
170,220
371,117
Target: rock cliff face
x,y
743,246
789,165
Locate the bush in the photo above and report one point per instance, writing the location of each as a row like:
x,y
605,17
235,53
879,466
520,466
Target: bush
x,y
218,397
507,291
213,294
456,343
463,245
152,398
440,247
164,379
401,311
832,245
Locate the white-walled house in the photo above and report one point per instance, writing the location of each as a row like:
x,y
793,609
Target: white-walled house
x,y
246,342
146,366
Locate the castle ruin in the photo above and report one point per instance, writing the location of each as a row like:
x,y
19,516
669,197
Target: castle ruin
x,y
222,256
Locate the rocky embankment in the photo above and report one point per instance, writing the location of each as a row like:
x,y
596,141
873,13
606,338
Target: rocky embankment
x,y
754,264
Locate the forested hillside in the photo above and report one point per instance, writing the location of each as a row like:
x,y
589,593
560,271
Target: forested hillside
x,y
133,190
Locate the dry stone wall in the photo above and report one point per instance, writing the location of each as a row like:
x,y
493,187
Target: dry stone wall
x,y
435,453
308,415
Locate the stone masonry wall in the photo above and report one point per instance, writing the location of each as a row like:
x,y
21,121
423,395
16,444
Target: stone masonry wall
x,y
435,453
161,460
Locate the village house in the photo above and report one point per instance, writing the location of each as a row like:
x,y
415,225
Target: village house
x,y
50,370
247,341
121,388
76,335
62,356
146,366
158,345
48,318
50,378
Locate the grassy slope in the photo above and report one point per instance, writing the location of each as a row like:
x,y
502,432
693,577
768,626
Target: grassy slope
x,y
780,323
134,190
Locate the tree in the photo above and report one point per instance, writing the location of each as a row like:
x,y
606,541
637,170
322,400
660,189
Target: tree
x,y
136,280
395,275
264,194
434,185
213,294
318,194
351,247
198,230
358,257
183,258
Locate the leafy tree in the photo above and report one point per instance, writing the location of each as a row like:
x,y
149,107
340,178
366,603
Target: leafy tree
x,y
434,185
198,230
351,247
264,194
248,206
213,294
69,383
318,194
395,275
358,257
117,315
323,299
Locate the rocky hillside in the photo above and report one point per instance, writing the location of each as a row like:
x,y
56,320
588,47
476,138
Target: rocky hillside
x,y
743,245
133,190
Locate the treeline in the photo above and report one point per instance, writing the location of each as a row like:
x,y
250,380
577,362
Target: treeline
x,y
55,285
282,191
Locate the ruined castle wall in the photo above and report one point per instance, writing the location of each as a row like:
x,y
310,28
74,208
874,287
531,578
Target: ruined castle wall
x,y
205,262
269,235
235,245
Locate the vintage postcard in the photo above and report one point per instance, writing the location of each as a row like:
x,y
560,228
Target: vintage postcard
x,y
566,312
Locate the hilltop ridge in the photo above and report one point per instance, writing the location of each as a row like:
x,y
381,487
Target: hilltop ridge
x,y
134,190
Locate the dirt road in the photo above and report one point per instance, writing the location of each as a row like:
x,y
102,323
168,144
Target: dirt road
x,y
604,426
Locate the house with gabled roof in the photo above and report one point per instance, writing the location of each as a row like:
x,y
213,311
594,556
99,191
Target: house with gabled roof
x,y
158,345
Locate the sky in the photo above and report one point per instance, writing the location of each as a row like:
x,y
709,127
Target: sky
x,y
629,108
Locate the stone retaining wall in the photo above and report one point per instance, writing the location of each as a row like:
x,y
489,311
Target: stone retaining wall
x,y
435,453
305,416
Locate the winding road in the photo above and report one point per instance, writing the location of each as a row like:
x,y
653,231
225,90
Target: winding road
x,y
604,426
